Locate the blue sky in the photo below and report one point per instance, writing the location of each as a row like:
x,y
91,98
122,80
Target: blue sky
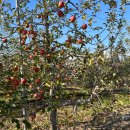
x,y
127,15
100,16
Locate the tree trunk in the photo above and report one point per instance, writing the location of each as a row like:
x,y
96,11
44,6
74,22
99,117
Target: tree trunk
x,y
24,110
53,113
53,119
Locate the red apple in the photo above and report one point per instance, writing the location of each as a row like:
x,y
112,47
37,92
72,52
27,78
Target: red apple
x,y
35,95
23,81
80,41
25,32
21,30
38,81
39,16
35,34
33,38
4,40
68,41
22,42
12,78
42,52
32,32
48,56
72,18
31,86
24,37
28,32
36,69
60,13
61,4
41,92
27,25
15,83
15,68
84,26
38,96
30,57
31,26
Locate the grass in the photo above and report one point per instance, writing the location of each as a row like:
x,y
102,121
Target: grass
x,y
67,117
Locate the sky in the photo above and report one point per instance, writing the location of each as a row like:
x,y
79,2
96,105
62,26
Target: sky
x,y
100,17
127,15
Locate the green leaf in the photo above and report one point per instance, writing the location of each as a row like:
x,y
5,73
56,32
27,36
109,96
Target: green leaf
x,y
17,122
1,124
28,125
84,17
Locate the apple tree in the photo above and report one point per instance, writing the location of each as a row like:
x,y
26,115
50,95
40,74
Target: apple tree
x,y
50,45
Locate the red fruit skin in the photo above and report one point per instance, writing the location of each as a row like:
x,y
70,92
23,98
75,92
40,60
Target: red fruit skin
x,y
53,49
84,26
31,86
21,31
68,41
4,40
48,56
38,81
30,32
12,78
38,96
79,41
25,32
15,84
35,95
27,25
72,18
24,37
41,92
16,68
36,69
35,34
61,4
33,38
42,52
23,81
39,16
60,13
22,42
30,57
31,26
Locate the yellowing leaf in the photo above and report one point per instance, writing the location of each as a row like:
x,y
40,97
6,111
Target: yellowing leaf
x,y
0,1
84,17
90,21
91,61
120,102
47,84
98,5
100,59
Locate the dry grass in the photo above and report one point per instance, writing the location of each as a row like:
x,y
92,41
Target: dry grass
x,y
83,117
